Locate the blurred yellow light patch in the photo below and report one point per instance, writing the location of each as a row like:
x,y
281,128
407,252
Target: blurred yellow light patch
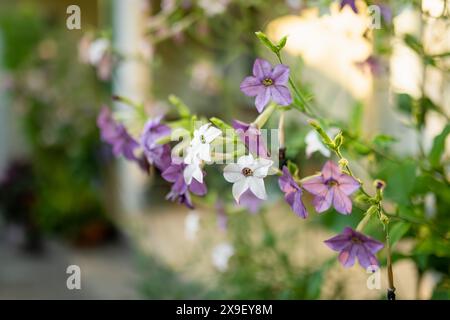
x,y
332,43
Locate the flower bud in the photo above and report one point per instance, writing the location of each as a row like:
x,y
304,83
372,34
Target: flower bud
x,y
379,184
343,163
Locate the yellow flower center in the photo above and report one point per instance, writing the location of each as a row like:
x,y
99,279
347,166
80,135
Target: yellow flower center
x,y
267,82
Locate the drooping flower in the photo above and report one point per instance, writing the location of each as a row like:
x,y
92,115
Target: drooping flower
x,y
221,254
180,190
198,151
116,135
314,142
250,202
157,154
193,171
251,136
248,174
351,244
331,187
350,3
292,193
267,84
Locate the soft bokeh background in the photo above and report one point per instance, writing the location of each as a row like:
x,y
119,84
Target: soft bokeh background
x,y
65,200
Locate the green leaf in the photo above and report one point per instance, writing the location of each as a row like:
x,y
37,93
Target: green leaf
x,y
383,140
182,108
220,124
265,40
281,43
293,168
413,43
405,103
438,147
397,231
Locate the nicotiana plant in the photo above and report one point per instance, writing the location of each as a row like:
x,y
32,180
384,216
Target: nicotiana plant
x,y
184,149
241,151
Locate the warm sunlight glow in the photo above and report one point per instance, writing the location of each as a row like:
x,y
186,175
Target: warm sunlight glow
x,y
331,43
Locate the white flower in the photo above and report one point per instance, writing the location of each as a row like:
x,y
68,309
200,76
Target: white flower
x,y
198,151
97,50
221,254
314,142
191,225
200,145
193,171
248,173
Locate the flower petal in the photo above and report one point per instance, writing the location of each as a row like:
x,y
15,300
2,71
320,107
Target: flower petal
x,y
372,245
339,242
211,134
262,99
348,184
257,187
246,161
281,95
331,171
251,86
348,255
295,200
204,152
198,188
239,187
366,258
323,202
280,74
341,202
232,172
262,69
262,167
315,185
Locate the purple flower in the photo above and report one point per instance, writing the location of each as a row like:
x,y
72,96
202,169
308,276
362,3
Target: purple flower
x,y
350,3
352,244
267,83
250,202
250,135
116,135
292,193
157,154
180,190
331,187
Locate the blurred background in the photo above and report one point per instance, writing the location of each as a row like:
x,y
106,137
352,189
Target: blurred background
x,y
65,200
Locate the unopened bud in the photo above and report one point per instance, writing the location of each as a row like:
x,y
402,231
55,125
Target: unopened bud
x,y
343,163
379,184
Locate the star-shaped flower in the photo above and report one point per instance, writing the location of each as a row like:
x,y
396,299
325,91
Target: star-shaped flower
x,y
331,187
351,244
248,174
267,84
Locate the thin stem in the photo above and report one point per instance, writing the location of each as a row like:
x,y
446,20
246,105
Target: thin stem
x,y
391,288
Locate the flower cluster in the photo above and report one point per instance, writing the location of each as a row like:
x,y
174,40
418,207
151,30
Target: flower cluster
x,y
247,172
